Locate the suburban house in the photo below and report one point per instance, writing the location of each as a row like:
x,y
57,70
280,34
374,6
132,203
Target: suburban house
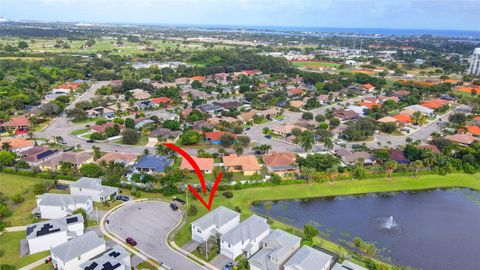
x,y
18,144
117,258
93,188
76,159
152,164
165,134
101,111
463,139
276,249
346,265
368,87
103,127
66,87
228,104
218,120
201,126
72,254
215,137
308,258
473,130
350,158
417,108
345,115
139,94
45,235
18,124
37,154
116,157
205,164
162,101
247,164
268,114
281,163
244,238
218,221
398,156
52,205
211,109
285,130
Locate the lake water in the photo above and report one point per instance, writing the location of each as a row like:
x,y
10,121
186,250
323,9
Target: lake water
x,y
438,229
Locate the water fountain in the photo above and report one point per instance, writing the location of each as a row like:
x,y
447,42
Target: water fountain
x,y
390,223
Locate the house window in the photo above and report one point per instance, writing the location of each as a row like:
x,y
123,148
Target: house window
x,y
199,231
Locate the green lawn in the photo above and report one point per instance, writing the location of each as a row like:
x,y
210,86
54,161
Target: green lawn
x,y
17,184
80,131
10,243
314,64
244,198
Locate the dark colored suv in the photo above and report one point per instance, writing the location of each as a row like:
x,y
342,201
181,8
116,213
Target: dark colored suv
x,y
174,207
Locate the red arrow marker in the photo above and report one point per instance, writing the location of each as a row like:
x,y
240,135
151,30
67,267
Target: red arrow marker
x,y
192,162
200,177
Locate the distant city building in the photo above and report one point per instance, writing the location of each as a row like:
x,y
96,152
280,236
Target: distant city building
x,y
474,68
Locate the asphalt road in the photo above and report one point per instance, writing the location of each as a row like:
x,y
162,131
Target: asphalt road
x,y
149,224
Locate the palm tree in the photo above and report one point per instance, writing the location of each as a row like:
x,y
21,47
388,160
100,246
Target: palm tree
x,y
305,140
390,166
6,146
238,149
416,166
328,143
308,173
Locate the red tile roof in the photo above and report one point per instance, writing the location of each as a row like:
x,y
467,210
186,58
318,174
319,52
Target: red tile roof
x,y
403,118
368,104
368,86
474,130
217,135
72,86
461,138
434,103
159,100
205,164
296,91
197,78
19,121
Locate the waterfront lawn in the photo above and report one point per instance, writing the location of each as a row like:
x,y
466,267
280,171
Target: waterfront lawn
x,y
11,246
23,185
244,198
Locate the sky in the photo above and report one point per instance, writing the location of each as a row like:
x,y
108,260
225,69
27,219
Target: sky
x,y
395,14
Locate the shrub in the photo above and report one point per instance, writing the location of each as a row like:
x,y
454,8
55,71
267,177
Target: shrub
x,y
228,194
17,198
237,209
84,215
40,188
192,210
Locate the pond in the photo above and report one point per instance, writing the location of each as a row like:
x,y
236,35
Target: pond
x,y
436,229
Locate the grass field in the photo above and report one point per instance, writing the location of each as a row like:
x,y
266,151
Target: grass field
x,y
141,142
314,64
80,131
10,243
23,185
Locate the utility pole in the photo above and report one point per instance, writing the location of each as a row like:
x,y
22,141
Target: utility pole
x,y
186,195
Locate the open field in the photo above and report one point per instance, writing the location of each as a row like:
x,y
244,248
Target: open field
x,y
10,243
314,64
23,185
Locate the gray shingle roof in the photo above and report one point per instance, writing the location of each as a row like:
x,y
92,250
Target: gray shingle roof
x,y
87,183
52,226
279,246
307,258
54,199
77,246
249,229
218,217
347,265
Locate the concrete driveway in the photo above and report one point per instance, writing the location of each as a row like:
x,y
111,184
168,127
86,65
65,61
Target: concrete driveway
x,y
149,223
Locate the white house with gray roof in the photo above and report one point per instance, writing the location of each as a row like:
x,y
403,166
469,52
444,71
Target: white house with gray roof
x,y
45,235
307,258
244,238
52,205
116,258
92,187
277,248
72,254
218,221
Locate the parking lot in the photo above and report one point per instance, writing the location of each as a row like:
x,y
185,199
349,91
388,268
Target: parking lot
x,y
149,223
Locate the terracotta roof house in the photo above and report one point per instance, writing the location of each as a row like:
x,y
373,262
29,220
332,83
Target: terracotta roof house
x,y
345,115
403,118
166,134
116,157
463,139
186,112
197,78
250,72
398,156
76,159
385,98
387,119
17,122
431,147
215,136
205,164
103,127
401,93
247,164
18,144
37,154
474,130
281,163
435,103
295,91
297,103
369,105
161,100
350,158
368,87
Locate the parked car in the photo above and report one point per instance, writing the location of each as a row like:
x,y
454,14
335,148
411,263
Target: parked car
x,y
90,141
131,242
124,198
176,199
228,266
268,136
48,260
174,207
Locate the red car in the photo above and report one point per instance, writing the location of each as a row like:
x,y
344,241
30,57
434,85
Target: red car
x,y
131,242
